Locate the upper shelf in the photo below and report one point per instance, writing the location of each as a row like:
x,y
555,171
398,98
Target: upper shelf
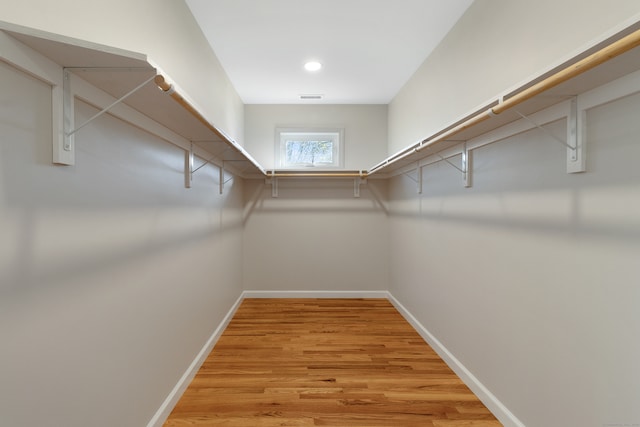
x,y
609,60
116,71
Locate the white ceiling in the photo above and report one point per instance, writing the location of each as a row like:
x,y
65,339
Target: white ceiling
x,y
368,48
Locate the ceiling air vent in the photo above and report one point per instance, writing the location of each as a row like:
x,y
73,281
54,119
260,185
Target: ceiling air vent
x,y
310,97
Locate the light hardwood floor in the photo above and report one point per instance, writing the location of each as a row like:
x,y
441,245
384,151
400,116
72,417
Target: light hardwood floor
x,y
325,362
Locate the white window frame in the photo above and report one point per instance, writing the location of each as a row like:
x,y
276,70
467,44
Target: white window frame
x,y
336,135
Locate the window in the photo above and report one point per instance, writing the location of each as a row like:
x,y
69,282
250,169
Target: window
x,y
304,148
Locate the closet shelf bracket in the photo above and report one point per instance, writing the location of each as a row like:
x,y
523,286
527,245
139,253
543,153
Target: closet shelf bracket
x,y
272,180
418,178
208,161
68,109
357,182
465,166
223,181
221,178
190,170
576,131
575,136
188,167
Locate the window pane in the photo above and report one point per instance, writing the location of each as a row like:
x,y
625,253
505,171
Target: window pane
x,y
309,152
303,148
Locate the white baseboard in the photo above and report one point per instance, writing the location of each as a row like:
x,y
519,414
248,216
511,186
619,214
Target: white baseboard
x,y
315,294
495,406
170,402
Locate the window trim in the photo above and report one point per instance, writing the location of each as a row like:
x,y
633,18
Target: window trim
x,y
280,147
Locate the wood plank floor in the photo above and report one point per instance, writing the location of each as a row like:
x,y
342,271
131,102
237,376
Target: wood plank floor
x,y
325,362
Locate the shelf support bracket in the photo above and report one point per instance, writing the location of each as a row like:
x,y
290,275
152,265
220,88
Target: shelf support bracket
x,y
417,179
67,154
188,167
449,163
222,178
68,134
272,180
357,182
206,162
465,163
545,130
575,136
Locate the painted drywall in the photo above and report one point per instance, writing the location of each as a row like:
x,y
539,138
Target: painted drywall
x,y
164,30
496,46
112,274
316,236
365,130
530,278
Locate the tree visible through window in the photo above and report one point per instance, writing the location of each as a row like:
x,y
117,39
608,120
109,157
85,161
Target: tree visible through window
x,y
309,153
308,149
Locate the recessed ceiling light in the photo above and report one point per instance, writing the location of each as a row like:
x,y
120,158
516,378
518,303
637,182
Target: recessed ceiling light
x,y
312,66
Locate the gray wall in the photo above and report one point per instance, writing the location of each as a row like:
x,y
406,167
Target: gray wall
x,y
112,274
530,278
494,47
365,130
316,236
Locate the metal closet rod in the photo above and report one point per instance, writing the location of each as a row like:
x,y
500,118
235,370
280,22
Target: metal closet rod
x,y
608,52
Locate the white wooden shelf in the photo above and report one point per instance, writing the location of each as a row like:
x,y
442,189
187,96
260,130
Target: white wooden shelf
x,y
615,57
115,72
